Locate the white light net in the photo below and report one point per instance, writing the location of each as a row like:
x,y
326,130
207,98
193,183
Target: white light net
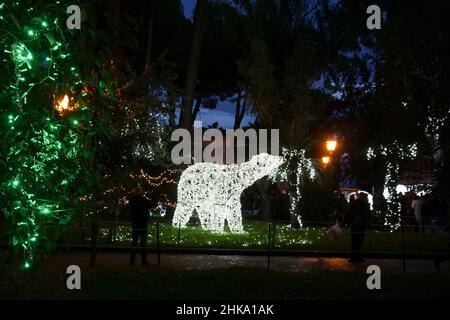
x,y
214,191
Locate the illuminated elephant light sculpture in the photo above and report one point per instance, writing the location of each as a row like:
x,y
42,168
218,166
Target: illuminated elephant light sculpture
x,y
214,191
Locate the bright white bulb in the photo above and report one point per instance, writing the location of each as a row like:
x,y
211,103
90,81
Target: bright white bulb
x,y
401,189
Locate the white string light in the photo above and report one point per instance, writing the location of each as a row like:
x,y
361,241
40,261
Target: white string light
x,y
392,154
303,168
214,191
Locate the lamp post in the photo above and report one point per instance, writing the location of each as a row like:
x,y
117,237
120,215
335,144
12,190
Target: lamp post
x,y
330,146
327,160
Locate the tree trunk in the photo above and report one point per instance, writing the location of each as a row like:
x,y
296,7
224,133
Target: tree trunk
x,y
192,69
148,56
293,200
94,235
241,108
237,112
198,102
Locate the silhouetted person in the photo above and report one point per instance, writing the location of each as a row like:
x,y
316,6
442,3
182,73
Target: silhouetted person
x,y
339,210
430,211
284,205
417,205
351,200
139,211
358,216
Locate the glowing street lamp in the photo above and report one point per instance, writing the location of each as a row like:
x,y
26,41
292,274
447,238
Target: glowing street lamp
x,y
331,145
325,160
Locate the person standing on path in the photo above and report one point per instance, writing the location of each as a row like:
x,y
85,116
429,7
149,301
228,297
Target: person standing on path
x,y
416,205
358,218
139,211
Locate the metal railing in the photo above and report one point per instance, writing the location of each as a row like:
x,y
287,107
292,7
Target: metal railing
x,y
405,243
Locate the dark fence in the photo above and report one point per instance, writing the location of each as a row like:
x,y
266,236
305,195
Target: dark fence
x,y
267,238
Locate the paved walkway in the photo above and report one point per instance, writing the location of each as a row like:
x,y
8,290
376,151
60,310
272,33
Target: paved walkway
x,y
288,264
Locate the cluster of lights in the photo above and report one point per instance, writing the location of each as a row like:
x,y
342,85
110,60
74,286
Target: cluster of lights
x,y
393,216
194,237
214,191
303,169
392,155
433,127
166,178
370,154
149,132
397,150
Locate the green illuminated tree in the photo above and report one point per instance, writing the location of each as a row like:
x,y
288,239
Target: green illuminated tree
x,y
48,145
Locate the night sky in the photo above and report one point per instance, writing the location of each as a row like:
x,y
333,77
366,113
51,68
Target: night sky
x,y
224,113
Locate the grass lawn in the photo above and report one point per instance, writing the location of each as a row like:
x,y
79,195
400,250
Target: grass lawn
x,y
256,236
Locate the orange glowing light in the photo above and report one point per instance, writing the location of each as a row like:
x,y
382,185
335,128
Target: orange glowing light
x,y
325,160
63,104
331,145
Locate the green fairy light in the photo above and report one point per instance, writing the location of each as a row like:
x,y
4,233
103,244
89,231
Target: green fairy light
x,y
41,148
